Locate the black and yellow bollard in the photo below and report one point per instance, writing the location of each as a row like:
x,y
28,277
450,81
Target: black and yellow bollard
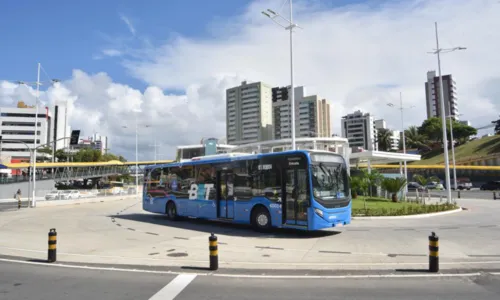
x,y
433,253
52,255
214,253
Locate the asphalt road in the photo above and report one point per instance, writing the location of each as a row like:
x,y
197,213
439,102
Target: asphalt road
x,y
25,281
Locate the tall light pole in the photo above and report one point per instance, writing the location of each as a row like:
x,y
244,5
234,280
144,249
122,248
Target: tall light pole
x,y
35,139
136,156
438,51
402,108
453,150
289,26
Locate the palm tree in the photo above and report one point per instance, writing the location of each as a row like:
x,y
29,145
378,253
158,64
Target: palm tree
x,y
423,181
415,139
384,139
394,186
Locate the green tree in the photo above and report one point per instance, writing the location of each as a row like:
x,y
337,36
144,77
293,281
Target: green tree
x,y
432,129
393,186
414,139
461,132
497,126
384,139
423,181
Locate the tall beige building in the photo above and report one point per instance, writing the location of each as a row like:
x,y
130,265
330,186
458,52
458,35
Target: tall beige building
x,y
248,113
312,114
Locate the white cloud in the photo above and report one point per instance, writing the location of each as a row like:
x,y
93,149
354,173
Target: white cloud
x,y
129,24
347,53
358,57
97,104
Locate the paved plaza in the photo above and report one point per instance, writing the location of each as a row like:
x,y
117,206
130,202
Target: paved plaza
x,y
120,232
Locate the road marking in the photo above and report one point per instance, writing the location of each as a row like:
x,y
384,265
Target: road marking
x,y
250,276
171,290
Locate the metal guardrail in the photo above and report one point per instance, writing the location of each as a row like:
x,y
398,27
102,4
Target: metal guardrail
x,y
73,173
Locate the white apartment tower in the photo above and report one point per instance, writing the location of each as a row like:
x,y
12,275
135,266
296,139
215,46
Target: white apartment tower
x,y
432,96
17,131
248,113
359,129
312,114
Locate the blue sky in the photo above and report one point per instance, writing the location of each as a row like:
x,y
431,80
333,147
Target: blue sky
x,y
64,35
67,35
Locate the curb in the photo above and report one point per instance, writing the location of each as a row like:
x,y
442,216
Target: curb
x,y
419,216
52,203
282,274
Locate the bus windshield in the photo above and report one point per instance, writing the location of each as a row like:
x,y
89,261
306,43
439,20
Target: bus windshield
x,y
329,177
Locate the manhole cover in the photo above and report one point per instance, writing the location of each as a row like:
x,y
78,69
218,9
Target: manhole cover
x,y
178,254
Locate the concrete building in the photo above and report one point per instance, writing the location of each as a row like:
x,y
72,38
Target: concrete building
x,y
312,114
248,113
395,134
96,142
17,131
359,129
432,96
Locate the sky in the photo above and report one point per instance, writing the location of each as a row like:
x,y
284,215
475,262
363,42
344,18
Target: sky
x,y
167,64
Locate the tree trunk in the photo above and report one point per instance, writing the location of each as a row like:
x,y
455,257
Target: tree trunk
x,y
394,197
354,195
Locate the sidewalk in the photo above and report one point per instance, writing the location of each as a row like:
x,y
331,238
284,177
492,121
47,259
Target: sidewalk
x,y
120,232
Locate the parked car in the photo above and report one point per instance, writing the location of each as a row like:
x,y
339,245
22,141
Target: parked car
x,y
53,195
70,194
491,186
414,186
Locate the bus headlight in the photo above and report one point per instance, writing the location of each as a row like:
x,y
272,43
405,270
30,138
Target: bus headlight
x,y
319,212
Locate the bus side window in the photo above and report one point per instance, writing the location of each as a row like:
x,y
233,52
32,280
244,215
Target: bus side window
x,y
205,180
179,181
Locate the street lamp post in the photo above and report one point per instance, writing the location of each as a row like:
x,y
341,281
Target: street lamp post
x,y
290,26
453,151
136,156
402,108
443,111
35,139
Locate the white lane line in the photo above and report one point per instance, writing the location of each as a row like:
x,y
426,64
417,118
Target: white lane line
x,y
249,276
171,290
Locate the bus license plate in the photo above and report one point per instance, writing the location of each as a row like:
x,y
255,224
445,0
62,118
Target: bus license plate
x,y
339,225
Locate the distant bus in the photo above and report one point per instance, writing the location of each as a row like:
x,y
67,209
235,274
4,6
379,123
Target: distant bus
x,y
113,187
307,190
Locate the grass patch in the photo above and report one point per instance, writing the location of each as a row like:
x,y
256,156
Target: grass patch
x,y
471,150
385,207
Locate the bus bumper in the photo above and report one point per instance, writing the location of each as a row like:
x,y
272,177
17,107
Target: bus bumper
x,y
330,218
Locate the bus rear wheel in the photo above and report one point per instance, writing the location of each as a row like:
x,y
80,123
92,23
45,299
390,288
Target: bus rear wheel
x,y
261,220
171,211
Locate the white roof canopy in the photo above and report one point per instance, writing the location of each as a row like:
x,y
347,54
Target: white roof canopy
x,y
381,157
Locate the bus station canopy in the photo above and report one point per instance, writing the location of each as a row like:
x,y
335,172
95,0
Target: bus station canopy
x,y
371,158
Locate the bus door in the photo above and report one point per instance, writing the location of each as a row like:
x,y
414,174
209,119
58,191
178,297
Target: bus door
x,y
225,194
294,200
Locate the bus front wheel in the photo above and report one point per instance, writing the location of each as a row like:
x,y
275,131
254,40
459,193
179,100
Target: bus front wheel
x,y
261,220
171,211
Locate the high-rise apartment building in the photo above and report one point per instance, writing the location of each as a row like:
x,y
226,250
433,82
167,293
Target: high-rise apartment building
x,y
432,96
248,113
359,129
17,131
312,114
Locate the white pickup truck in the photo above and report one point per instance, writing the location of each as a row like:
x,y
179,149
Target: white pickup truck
x,y
463,184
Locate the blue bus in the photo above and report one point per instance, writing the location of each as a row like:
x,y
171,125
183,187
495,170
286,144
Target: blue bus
x,y
307,190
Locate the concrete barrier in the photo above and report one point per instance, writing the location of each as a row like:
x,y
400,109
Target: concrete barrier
x,y
49,203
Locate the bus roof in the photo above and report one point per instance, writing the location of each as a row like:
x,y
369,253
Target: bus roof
x,y
228,157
